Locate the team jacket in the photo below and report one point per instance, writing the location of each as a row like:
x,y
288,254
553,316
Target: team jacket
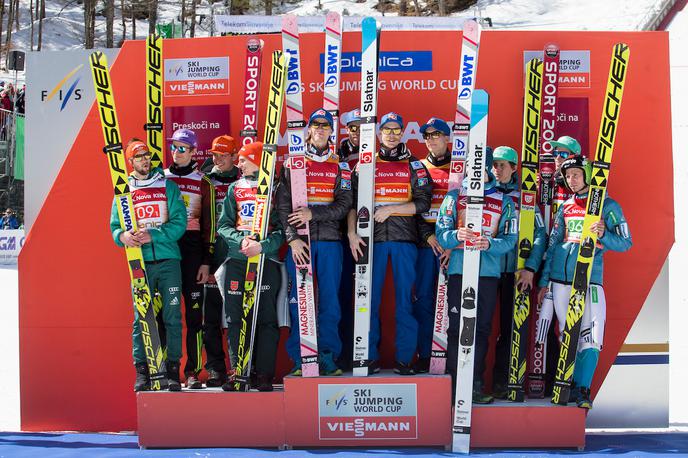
x,y
564,240
220,184
195,188
348,153
159,209
561,193
508,261
399,178
499,225
328,189
439,172
236,219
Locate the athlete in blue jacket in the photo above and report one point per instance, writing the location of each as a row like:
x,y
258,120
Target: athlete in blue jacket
x,y
498,237
559,267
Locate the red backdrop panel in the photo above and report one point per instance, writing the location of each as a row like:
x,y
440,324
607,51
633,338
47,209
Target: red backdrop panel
x,y
75,308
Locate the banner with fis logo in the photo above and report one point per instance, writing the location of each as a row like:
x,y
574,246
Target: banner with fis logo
x,y
368,411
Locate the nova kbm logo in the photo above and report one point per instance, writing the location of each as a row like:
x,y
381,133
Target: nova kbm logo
x,y
59,90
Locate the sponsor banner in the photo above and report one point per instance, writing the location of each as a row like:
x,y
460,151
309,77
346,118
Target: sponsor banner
x,y
316,24
389,61
59,94
11,243
572,120
367,411
574,67
207,121
197,76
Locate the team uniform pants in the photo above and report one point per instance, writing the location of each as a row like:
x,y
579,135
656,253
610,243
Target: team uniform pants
x,y
326,262
346,322
487,300
403,256
427,271
212,328
265,341
165,277
506,315
191,247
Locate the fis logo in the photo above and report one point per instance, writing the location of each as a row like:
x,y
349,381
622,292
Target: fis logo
x,y
72,92
337,401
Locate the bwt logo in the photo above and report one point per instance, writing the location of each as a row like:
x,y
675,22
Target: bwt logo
x,y
64,96
293,88
331,81
296,140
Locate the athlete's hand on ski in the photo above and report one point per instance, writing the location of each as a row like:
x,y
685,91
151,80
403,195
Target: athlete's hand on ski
x,y
464,234
435,245
356,245
541,294
300,217
299,251
524,279
129,239
598,228
203,274
444,259
250,247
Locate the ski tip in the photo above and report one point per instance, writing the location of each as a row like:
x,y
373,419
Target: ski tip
x,y
289,23
254,44
551,50
332,20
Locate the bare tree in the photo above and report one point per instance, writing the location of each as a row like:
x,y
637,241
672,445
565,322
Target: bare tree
x,y
403,8
41,16
268,7
109,23
31,11
2,17
417,5
16,15
192,31
89,23
10,18
124,22
183,18
239,6
152,15
441,5
133,21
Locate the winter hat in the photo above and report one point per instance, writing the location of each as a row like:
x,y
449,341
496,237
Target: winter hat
x,y
567,142
437,124
253,152
135,148
321,113
577,162
391,117
351,116
224,144
187,136
505,153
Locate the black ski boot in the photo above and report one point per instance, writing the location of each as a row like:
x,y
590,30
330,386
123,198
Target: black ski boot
x,y
584,401
192,381
216,378
422,366
264,382
142,377
173,383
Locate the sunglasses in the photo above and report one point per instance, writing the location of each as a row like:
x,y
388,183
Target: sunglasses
x,y
353,128
142,157
562,154
434,134
320,125
180,149
391,130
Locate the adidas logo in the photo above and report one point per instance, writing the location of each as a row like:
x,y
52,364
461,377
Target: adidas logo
x,y
174,301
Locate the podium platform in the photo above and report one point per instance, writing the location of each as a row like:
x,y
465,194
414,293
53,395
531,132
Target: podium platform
x,y
381,410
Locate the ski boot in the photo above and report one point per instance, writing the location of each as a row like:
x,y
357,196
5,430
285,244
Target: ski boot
x,y
584,401
479,397
173,383
574,393
142,382
500,391
328,366
192,381
215,378
403,369
374,367
264,382
296,370
422,366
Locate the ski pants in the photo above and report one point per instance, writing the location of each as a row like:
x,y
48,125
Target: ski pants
x,y
506,315
346,322
487,300
427,271
164,276
264,351
326,263
403,257
212,328
191,247
594,315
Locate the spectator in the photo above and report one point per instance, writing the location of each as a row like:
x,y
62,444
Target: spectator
x,y
9,220
21,100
